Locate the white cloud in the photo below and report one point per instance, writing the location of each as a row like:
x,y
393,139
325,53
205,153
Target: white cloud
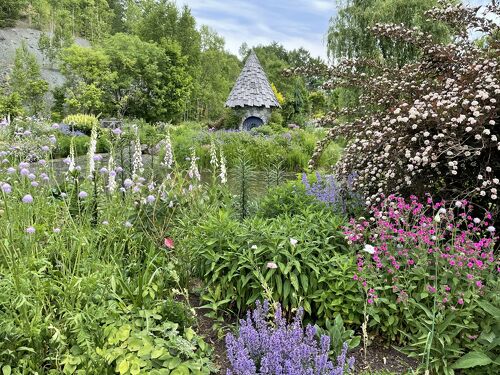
x,y
282,21
324,5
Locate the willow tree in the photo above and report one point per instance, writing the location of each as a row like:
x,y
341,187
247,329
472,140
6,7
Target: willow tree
x,y
348,36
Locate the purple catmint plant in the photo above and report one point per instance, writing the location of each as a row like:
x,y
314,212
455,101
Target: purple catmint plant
x,y
262,347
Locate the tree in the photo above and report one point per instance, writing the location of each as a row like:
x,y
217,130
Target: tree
x,y
151,80
10,12
89,80
27,80
347,36
430,126
218,72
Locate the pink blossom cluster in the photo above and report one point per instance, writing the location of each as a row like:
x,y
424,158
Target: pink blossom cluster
x,y
449,245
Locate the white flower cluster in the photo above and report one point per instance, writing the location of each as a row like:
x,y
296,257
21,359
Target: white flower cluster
x,y
168,160
92,151
438,128
193,171
137,164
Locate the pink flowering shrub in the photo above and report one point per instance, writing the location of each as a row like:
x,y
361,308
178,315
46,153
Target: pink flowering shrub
x,y
427,267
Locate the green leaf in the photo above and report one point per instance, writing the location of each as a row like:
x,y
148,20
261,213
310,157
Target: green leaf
x,y
181,370
6,370
305,281
472,359
295,281
124,332
490,309
123,367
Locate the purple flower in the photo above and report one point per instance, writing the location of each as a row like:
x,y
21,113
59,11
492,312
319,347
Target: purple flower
x,y
57,230
280,348
11,170
30,230
34,183
128,183
103,170
42,162
82,194
24,172
150,198
117,131
45,148
97,157
6,188
27,199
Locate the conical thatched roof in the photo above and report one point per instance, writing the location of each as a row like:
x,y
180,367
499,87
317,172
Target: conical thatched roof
x,y
252,89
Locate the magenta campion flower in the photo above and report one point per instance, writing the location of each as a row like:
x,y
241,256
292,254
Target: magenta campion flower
x,y
409,240
27,199
262,347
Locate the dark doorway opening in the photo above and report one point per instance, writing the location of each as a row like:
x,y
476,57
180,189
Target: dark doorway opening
x,y
252,122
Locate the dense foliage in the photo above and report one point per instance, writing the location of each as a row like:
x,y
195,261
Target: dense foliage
x,y
428,126
86,285
430,275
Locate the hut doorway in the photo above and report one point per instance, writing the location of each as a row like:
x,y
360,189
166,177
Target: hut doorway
x,y
252,122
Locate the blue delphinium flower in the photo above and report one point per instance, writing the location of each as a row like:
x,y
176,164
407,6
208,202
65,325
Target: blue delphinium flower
x,y
276,348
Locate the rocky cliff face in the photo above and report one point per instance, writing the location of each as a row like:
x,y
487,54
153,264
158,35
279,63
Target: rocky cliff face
x,y
12,38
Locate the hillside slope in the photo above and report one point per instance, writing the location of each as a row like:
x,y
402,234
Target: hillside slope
x,y
12,38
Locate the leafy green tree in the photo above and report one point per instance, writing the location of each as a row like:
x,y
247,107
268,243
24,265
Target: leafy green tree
x,y
10,12
348,36
11,105
152,80
89,82
218,72
27,80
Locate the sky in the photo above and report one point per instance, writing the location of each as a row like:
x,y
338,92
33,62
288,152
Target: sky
x,y
293,23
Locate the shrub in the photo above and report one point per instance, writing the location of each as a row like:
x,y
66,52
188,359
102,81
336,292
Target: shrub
x,y
298,261
289,199
430,126
80,122
428,271
338,197
281,348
